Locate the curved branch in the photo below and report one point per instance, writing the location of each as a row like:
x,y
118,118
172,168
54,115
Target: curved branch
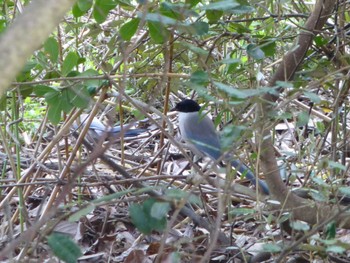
x,y
26,34
302,209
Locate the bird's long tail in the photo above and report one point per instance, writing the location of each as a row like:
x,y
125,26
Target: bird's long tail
x,y
244,170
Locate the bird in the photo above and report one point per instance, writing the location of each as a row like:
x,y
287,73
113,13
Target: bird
x,y
97,129
199,132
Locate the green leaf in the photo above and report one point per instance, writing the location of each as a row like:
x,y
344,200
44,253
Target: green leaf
x,y
331,230
238,28
195,49
69,62
242,211
242,9
26,90
65,100
192,3
336,165
272,248
300,226
157,32
319,181
108,198
155,17
127,5
76,11
54,113
255,51
284,84
320,41
231,91
344,190
200,78
221,5
102,8
302,119
3,24
41,90
128,30
148,216
199,28
213,15
91,84
55,101
64,248
84,5
318,196
268,47
176,11
51,47
29,66
230,134
79,96
312,96
336,249
82,212
160,210
139,219
178,194
3,102
52,96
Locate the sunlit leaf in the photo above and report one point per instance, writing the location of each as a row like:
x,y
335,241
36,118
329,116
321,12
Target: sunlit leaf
x,y
160,210
336,249
299,225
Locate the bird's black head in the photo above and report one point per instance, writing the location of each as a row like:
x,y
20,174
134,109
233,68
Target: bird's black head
x,y
187,105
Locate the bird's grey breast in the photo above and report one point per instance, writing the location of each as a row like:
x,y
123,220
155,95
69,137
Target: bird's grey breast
x,y
199,131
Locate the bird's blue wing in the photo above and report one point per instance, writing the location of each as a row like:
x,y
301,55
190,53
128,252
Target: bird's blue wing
x,y
127,132
201,133
99,128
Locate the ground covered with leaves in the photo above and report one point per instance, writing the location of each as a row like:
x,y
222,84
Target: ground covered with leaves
x,y
131,199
